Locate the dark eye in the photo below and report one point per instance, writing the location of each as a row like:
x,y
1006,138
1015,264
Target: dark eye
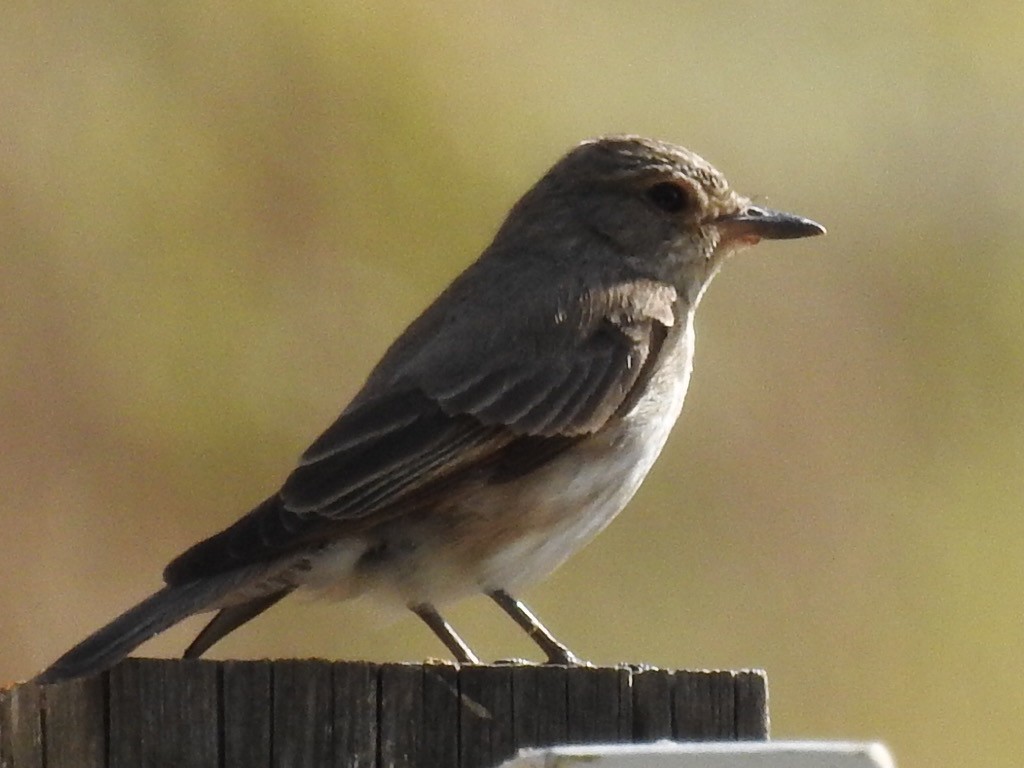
x,y
670,197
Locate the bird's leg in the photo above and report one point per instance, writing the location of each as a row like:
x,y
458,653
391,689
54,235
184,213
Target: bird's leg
x,y
462,652
556,652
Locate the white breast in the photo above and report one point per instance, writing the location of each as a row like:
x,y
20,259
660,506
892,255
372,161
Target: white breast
x,y
601,482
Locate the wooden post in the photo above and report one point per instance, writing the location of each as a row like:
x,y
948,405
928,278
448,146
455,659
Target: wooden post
x,y
315,714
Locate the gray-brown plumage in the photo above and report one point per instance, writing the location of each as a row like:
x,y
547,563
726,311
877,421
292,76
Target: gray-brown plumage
x,y
505,427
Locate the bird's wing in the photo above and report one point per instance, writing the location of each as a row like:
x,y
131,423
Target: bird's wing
x,y
559,391
457,410
392,448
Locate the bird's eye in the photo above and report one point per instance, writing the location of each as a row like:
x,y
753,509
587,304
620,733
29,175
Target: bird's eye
x,y
670,197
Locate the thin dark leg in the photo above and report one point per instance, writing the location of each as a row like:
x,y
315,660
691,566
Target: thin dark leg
x,y
229,619
444,631
556,652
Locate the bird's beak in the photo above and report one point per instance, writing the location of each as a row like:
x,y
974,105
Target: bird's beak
x,y
754,222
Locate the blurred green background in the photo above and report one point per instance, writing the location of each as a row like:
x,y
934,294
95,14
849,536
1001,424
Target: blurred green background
x,y
215,217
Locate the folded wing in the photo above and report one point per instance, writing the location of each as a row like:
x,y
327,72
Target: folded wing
x,y
386,455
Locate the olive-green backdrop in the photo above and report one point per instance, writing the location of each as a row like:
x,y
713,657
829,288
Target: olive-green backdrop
x,y
215,216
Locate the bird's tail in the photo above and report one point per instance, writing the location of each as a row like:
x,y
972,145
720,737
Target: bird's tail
x,y
135,626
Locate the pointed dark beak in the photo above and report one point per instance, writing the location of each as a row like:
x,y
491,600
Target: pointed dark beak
x,y
755,222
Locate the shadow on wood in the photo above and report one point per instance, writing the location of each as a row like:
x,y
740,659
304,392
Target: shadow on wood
x,y
295,714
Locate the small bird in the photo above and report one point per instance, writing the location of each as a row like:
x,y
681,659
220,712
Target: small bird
x,y
508,424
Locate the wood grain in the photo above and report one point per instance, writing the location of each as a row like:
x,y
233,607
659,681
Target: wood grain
x,y
301,714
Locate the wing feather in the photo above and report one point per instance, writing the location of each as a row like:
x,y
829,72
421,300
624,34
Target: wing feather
x,y
502,413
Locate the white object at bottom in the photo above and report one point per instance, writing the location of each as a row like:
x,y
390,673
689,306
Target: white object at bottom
x,y
716,754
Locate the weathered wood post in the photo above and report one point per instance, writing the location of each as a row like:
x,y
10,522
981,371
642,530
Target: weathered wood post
x,y
306,714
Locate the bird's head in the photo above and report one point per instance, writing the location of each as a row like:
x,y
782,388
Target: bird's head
x,y
661,209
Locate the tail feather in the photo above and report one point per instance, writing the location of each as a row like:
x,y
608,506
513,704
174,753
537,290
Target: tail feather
x,y
111,643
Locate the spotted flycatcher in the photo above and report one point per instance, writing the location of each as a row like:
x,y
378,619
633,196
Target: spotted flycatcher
x,y
505,427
